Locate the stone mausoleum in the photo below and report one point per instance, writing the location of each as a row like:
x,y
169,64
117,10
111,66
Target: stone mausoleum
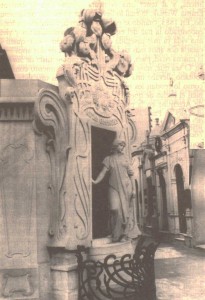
x,y
53,142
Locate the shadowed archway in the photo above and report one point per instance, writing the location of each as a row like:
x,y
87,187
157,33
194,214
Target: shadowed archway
x,y
181,198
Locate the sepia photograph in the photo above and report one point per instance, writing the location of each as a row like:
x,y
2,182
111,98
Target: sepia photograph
x,y
102,155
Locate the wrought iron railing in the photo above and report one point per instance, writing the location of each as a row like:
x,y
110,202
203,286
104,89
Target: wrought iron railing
x,y
131,277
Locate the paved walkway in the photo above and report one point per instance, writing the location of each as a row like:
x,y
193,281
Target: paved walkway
x,y
180,273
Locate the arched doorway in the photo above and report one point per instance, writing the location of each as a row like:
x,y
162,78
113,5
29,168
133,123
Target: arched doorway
x,y
165,225
181,199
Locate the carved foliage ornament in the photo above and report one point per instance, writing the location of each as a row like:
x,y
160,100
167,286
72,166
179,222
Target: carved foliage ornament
x,y
93,68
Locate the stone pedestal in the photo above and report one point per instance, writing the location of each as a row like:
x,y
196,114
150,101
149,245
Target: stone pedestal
x,y
64,277
103,247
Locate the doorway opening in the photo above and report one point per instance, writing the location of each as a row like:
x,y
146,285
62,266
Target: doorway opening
x,y
181,199
101,140
164,212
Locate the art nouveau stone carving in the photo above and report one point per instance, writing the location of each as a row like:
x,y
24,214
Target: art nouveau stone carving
x,y
93,94
16,164
17,285
51,119
92,86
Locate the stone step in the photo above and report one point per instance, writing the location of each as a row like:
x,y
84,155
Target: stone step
x,y
103,247
101,242
201,247
179,240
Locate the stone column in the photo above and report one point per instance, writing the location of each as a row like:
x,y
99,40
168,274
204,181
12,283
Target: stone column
x,y
168,193
141,189
189,221
174,213
159,197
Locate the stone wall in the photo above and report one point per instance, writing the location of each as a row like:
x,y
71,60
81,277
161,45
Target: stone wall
x,y
24,206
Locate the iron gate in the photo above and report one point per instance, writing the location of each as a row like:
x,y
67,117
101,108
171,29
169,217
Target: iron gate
x,y
131,277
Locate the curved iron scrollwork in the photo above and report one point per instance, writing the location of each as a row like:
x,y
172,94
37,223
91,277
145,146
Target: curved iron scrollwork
x,y
130,277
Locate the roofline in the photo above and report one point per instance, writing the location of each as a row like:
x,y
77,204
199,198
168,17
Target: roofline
x,y
181,124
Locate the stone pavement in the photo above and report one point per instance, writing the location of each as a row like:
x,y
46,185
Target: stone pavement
x,y
180,273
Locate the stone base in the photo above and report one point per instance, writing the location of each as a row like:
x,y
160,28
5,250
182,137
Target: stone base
x,y
188,240
63,296
64,277
104,246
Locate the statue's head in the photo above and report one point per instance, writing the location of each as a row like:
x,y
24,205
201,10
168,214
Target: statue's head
x,y
118,146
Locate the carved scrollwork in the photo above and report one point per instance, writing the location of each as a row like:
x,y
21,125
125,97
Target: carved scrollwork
x,y
82,198
15,285
132,128
92,66
16,169
92,80
51,120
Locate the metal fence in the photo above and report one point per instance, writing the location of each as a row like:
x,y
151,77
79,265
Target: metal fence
x,y
131,277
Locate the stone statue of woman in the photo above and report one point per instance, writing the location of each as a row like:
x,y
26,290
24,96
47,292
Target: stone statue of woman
x,y
121,190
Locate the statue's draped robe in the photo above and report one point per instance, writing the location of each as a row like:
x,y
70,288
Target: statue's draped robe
x,y
120,192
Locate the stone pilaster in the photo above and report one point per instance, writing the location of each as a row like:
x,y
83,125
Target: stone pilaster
x,y
174,216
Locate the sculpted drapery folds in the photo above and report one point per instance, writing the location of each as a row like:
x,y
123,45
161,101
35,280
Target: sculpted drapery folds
x,y
121,190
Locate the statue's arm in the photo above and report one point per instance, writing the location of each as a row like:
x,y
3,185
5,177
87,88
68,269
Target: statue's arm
x,y
100,176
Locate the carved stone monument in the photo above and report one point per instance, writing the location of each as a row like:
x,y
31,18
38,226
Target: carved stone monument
x,y
60,136
91,84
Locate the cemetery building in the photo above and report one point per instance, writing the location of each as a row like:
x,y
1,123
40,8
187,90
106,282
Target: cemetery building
x,y
80,180
170,194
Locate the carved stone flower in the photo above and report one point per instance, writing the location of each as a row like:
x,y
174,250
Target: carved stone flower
x,y
66,45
